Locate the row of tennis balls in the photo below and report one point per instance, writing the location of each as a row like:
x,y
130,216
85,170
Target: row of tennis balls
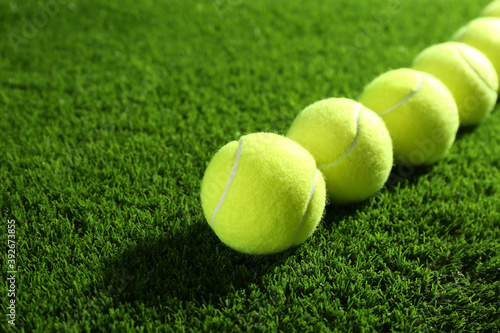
x,y
264,193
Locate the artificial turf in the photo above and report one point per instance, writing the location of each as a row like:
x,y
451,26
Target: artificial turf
x,y
110,113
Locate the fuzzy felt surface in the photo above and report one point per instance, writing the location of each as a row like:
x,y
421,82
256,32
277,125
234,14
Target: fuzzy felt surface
x,y
425,122
351,145
268,207
467,73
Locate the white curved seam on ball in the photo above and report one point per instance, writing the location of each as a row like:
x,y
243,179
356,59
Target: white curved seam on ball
x,y
351,148
313,189
407,98
473,69
233,174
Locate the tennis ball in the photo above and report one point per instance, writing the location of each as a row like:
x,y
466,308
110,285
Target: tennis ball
x,y
351,145
467,73
484,35
419,112
263,194
492,10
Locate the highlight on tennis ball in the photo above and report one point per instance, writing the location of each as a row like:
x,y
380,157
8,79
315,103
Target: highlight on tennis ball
x,y
484,35
263,194
467,73
351,145
419,112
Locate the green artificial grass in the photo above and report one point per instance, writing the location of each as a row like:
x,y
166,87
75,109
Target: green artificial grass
x,y
110,113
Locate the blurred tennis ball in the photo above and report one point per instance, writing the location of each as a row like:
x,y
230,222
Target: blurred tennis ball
x,y
492,10
484,35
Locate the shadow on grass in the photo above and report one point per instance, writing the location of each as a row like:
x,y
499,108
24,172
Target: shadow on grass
x,y
464,132
401,176
335,213
405,175
190,266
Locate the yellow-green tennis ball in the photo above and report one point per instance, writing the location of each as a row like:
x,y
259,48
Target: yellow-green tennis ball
x,y
467,73
419,112
263,194
351,145
492,10
484,35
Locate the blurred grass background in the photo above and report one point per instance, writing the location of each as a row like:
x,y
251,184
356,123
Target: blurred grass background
x,y
110,112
